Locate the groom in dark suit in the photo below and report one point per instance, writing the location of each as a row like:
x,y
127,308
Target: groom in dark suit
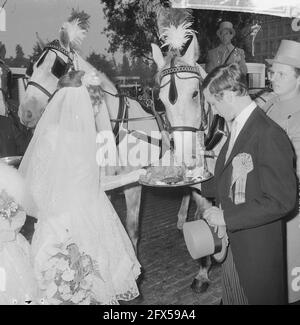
x,y
255,188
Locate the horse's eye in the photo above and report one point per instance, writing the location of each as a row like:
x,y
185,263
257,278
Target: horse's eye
x,y
195,93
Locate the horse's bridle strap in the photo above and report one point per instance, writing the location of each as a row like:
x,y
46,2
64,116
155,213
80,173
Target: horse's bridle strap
x,y
133,119
178,69
41,88
55,45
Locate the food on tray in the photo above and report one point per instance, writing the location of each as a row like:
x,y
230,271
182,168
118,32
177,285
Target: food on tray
x,y
173,175
160,173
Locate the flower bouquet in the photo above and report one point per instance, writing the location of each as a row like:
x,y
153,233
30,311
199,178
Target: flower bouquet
x,y
12,218
68,277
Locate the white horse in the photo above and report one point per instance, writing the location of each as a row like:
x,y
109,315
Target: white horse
x,y
180,79
57,58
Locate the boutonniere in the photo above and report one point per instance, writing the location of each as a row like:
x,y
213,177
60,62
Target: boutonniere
x,y
242,165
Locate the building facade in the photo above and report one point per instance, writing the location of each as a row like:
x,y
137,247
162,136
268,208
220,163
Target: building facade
x,y
274,29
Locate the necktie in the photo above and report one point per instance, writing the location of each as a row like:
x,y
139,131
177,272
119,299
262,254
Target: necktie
x,y
232,139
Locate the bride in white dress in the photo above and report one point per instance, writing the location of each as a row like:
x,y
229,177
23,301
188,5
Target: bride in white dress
x,y
81,252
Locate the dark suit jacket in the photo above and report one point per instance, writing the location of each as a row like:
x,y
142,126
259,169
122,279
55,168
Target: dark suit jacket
x,y
12,141
255,228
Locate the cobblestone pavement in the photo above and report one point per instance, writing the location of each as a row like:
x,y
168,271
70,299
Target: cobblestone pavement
x,y
167,268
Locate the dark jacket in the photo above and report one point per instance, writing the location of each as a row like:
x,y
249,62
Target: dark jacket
x,y
255,228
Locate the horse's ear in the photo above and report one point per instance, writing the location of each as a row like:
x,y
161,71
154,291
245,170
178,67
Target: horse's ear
x,y
158,56
193,52
40,41
64,38
2,51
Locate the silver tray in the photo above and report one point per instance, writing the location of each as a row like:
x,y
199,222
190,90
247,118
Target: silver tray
x,y
12,160
176,184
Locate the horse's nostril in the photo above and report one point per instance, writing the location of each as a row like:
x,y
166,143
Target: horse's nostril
x,y
28,115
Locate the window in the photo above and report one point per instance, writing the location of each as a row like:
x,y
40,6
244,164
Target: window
x,y
258,47
271,44
266,31
279,29
273,30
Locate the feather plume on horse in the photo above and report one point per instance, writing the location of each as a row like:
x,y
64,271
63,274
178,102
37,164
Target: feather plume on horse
x,y
75,29
174,26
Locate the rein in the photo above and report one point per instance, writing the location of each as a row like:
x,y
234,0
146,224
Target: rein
x,y
123,117
41,88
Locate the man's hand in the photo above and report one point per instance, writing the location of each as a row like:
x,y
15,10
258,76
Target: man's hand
x,y
214,217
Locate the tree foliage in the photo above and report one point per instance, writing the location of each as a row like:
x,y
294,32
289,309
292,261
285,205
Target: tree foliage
x,y
19,60
36,52
103,64
132,26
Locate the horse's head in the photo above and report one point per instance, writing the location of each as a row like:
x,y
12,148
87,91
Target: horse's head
x,y
55,61
180,79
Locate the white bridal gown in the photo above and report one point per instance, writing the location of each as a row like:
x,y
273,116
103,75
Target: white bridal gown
x,y
85,217
17,282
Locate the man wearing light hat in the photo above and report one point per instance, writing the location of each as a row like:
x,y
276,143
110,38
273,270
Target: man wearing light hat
x,y
226,53
285,110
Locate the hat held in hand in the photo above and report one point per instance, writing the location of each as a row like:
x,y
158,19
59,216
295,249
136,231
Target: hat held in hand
x,y
201,241
288,53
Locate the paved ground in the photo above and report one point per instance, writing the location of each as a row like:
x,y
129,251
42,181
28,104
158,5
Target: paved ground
x,y
168,269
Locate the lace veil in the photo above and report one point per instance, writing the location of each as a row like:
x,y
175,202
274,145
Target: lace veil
x,y
59,166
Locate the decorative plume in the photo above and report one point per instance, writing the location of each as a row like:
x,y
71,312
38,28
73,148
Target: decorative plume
x,y
176,37
174,26
74,32
40,41
172,16
82,17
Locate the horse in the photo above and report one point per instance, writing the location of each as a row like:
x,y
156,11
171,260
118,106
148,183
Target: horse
x,y
126,115
179,78
57,58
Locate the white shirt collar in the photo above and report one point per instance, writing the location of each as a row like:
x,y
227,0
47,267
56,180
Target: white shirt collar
x,y
242,118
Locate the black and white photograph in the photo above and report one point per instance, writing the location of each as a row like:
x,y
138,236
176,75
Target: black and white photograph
x,y
149,155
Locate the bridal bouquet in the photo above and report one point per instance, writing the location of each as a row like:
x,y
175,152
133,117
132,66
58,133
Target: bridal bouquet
x,y
12,218
68,277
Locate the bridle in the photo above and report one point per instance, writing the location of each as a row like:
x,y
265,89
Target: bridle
x,y
59,68
173,93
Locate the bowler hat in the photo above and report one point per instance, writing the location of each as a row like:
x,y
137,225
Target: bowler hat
x,y
225,25
201,240
288,53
